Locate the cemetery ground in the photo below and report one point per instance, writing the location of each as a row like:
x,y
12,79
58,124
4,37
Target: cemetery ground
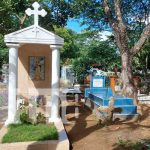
x,y
85,132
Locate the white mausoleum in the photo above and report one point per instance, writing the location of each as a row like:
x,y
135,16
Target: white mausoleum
x,y
34,63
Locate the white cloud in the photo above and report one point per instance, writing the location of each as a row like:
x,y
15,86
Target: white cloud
x,y
104,35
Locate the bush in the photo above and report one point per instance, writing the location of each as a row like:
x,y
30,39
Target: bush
x,y
40,118
80,66
24,118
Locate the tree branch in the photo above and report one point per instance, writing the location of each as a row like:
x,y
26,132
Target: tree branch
x,y
109,14
119,14
18,17
121,32
117,10
23,20
139,44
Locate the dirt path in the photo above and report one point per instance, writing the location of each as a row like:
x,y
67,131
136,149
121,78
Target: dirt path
x,y
85,133
3,115
3,103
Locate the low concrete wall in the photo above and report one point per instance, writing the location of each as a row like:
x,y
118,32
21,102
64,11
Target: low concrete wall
x,y
61,144
89,103
144,99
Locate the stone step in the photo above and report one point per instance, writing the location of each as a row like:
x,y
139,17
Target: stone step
x,y
126,109
126,116
123,109
120,101
104,100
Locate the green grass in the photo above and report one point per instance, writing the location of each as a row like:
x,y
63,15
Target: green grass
x,y
29,132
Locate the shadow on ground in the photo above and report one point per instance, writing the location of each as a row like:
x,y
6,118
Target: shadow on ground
x,y
84,130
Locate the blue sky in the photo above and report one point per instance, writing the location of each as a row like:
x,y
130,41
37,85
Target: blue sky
x,y
75,25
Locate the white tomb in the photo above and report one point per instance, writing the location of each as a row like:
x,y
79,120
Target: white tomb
x,y
36,42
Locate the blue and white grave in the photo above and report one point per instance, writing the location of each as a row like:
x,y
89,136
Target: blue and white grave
x,y
98,95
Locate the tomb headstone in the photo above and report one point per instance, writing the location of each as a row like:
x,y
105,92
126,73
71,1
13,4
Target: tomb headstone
x,y
67,75
97,82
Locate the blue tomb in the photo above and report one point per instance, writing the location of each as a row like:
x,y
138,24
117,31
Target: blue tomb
x,y
99,95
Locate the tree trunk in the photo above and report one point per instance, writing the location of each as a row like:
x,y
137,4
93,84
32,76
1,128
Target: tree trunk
x,y
127,77
119,27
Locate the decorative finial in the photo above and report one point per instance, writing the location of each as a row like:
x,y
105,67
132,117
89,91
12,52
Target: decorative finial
x,y
36,12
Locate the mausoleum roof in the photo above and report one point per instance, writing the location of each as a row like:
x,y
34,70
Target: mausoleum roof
x,y
34,34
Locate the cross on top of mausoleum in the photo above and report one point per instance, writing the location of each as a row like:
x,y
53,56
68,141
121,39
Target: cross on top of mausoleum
x,y
36,12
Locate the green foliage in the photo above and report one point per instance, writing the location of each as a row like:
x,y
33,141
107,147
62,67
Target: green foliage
x,y
134,13
3,52
135,16
94,51
3,56
91,12
13,18
24,118
139,145
107,81
124,143
40,118
70,49
142,59
102,53
80,66
12,14
29,132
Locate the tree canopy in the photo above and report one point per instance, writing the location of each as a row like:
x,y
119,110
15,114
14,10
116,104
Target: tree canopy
x,y
70,49
120,16
13,18
13,15
127,19
92,50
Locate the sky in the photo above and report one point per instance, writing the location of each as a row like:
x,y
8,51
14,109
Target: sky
x,y
75,25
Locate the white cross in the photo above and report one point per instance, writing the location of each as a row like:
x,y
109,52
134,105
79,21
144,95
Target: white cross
x,y
36,12
35,31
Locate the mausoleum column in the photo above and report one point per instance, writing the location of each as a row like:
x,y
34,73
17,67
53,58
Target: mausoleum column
x,y
12,85
54,116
